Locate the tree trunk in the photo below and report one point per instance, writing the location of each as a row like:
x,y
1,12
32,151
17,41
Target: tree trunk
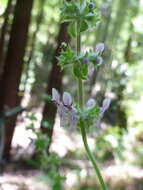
x,y
4,33
33,40
13,65
55,81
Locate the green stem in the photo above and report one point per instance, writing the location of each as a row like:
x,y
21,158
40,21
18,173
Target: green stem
x,y
91,158
80,84
82,127
80,93
78,46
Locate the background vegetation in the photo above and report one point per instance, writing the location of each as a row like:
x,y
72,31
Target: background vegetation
x,y
30,40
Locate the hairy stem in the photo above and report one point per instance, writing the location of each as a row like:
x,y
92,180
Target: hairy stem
x,y
80,93
80,83
91,157
82,126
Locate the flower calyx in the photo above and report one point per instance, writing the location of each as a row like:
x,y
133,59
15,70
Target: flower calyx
x,y
92,113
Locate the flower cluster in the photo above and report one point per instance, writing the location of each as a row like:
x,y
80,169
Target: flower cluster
x,y
86,64
95,58
70,115
67,112
83,64
93,113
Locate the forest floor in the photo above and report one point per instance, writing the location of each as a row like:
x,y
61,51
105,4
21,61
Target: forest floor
x,y
19,176
21,179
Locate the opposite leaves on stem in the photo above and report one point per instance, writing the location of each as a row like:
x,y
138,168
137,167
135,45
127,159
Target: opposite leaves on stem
x,y
83,64
85,13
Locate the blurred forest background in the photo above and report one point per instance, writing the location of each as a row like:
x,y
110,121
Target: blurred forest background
x,y
35,153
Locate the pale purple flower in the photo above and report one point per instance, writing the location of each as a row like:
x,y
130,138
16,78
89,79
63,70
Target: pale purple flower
x,y
99,48
67,99
91,103
91,68
65,109
105,105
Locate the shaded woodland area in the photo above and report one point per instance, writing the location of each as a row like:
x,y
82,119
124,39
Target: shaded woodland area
x,y
31,39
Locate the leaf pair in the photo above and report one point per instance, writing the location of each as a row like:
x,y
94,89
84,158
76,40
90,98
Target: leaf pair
x,y
80,70
66,58
81,13
72,28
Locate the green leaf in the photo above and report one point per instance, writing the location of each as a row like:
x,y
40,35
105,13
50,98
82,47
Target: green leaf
x,y
80,70
84,69
83,6
70,11
32,117
66,58
92,18
47,97
72,29
83,26
94,112
41,143
90,115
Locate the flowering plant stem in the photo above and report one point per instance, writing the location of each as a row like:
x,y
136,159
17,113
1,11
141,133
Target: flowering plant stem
x,y
91,157
82,126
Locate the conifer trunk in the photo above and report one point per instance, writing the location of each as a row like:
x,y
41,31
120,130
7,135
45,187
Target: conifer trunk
x,y
55,81
4,33
10,80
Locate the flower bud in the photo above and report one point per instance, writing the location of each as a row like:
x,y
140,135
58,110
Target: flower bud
x,y
91,5
85,60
